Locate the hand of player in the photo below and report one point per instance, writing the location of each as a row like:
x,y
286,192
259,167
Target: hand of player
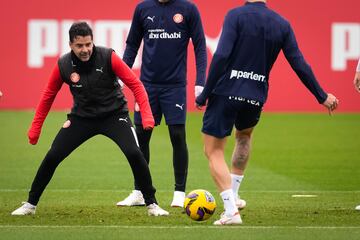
x,y
148,128
357,81
199,107
136,107
199,102
148,122
148,125
33,136
198,90
331,103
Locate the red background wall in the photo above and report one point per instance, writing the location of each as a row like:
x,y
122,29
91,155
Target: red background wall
x,y
312,22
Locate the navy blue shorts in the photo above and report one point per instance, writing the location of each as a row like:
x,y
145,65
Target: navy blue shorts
x,y
167,101
223,112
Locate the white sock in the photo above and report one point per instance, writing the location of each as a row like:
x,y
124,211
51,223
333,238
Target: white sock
x,y
29,205
138,193
179,194
235,184
229,202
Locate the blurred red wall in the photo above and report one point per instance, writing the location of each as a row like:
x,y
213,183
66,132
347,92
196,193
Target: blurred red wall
x,y
328,33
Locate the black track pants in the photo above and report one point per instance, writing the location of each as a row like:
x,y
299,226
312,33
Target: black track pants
x,y
117,127
180,152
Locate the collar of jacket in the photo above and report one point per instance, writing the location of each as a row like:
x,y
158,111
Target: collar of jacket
x,y
81,66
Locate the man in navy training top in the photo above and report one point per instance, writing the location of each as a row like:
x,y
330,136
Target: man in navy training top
x,y
237,88
166,27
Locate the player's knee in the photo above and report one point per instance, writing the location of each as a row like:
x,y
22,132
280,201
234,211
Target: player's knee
x,y
208,152
244,133
53,157
133,153
143,135
177,134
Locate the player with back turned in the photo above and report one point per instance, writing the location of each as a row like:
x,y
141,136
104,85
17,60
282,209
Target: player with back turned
x,y
237,88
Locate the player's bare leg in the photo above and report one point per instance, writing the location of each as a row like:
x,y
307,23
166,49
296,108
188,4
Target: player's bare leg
x,y
241,151
214,151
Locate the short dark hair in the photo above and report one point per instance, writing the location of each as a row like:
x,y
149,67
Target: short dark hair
x,y
80,29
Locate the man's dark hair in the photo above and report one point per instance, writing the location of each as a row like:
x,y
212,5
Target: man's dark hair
x,y
80,29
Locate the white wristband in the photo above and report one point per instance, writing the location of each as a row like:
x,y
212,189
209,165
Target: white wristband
x,y
198,90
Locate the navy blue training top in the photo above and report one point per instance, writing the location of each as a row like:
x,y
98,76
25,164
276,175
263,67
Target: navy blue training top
x,y
251,40
166,29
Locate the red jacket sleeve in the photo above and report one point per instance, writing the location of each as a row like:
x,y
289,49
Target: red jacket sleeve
x,y
48,96
128,77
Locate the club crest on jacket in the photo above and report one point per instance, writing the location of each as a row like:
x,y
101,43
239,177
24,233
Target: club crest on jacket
x,y
75,77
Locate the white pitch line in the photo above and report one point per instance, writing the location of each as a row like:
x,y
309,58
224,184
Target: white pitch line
x,y
178,227
304,196
303,192
75,190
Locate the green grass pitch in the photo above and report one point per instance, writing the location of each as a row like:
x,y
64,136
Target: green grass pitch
x,y
293,154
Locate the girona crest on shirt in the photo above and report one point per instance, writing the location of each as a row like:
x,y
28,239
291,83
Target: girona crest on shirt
x,y
178,18
75,77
